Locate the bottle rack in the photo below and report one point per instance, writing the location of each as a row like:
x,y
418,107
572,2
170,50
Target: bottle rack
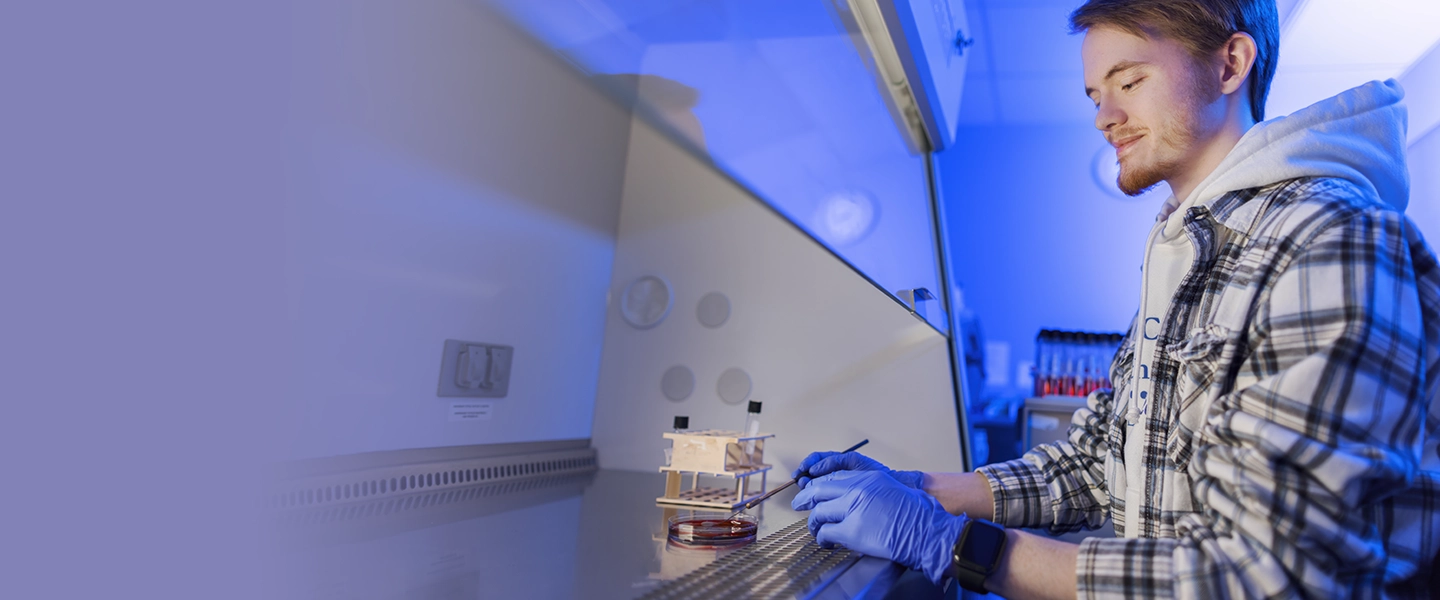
x,y
1073,363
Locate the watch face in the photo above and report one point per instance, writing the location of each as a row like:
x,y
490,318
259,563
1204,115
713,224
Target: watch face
x,y
982,544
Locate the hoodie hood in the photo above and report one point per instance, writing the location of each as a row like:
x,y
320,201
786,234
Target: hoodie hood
x,y
1358,135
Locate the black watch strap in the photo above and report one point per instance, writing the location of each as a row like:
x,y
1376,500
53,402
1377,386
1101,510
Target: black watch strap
x,y
971,580
982,540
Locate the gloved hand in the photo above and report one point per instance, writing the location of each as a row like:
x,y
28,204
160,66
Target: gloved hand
x,y
824,463
873,514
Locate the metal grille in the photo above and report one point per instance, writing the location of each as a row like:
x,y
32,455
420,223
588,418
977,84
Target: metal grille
x,y
784,564
352,511
403,480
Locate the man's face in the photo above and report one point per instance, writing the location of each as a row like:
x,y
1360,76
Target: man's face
x,y
1153,102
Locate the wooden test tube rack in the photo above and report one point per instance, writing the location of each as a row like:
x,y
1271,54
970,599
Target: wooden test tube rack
x,y
719,453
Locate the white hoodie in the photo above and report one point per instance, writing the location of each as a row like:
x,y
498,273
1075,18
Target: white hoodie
x,y
1358,135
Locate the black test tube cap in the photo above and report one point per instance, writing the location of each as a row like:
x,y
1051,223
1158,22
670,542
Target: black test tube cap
x,y
754,407
682,422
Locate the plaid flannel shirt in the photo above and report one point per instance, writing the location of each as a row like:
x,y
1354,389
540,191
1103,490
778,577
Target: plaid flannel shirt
x,y
1293,442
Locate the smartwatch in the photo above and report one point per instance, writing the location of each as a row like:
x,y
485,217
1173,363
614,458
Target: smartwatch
x,y
977,553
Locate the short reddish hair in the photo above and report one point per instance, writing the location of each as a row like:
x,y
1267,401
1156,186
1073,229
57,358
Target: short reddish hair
x,y
1201,26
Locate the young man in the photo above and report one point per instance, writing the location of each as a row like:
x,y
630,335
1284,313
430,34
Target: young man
x,y
1274,430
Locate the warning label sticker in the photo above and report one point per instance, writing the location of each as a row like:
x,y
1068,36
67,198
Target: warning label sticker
x,y
471,410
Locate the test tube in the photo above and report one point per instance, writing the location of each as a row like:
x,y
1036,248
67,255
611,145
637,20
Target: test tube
x,y
752,427
680,426
1057,363
1044,371
1067,364
1097,354
1036,371
1047,363
1092,369
1065,381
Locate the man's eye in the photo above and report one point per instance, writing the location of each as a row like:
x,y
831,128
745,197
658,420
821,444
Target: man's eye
x,y
1132,84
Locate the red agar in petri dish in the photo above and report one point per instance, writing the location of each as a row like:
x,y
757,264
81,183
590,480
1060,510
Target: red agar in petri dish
x,y
713,530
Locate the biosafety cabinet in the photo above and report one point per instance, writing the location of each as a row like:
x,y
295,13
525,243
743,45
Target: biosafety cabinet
x,y
544,229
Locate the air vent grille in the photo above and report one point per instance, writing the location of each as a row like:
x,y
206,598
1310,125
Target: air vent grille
x,y
394,481
353,511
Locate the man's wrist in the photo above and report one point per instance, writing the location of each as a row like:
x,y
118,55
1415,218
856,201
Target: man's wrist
x,y
978,553
941,559
961,493
1002,566
913,479
950,569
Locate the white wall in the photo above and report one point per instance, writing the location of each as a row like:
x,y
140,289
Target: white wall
x,y
1424,208
454,180
1422,98
832,358
1422,94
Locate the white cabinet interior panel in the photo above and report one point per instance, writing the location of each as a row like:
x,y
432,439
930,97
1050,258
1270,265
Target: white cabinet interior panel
x,y
832,358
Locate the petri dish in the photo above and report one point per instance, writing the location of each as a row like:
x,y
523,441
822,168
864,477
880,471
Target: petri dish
x,y
701,530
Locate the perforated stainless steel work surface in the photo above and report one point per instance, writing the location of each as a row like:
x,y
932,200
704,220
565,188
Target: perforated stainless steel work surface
x,y
785,564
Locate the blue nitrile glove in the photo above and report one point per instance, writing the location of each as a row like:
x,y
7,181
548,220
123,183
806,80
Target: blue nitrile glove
x,y
873,514
824,463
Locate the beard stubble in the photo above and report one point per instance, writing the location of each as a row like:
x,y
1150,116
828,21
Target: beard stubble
x,y
1176,134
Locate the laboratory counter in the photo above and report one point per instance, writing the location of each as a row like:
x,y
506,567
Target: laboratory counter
x,y
595,535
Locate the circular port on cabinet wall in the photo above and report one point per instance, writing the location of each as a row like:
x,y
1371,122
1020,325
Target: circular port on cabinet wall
x,y
714,310
646,302
734,386
846,216
678,383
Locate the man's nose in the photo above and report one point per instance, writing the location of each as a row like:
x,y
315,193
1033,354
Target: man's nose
x,y
1108,116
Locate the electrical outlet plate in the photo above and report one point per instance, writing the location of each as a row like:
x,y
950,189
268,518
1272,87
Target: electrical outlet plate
x,y
475,370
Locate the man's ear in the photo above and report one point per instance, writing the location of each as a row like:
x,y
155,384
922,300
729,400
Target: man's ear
x,y
1237,57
